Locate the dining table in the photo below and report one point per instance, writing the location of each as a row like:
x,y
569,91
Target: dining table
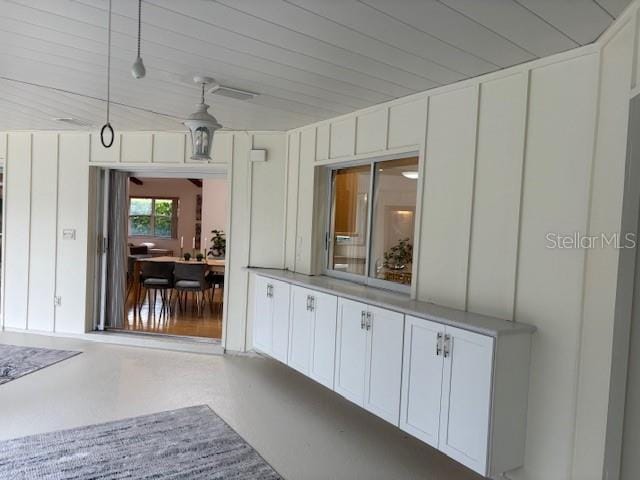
x,y
215,265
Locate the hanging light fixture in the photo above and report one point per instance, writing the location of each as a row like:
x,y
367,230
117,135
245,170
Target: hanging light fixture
x,y
202,125
138,70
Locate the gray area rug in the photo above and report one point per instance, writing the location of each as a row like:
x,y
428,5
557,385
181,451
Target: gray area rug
x,y
18,361
189,443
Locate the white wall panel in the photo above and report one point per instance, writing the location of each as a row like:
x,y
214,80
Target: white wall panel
x,y
169,147
322,145
306,213
73,214
44,214
99,154
549,281
407,124
343,137
267,202
601,277
238,248
17,212
496,202
222,148
136,147
447,198
3,146
293,165
371,133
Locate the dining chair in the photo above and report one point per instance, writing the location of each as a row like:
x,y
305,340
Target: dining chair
x,y
191,277
154,277
215,279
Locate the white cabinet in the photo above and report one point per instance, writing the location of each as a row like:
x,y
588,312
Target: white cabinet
x,y
280,308
324,308
462,392
446,390
271,317
312,334
384,363
466,397
263,315
422,379
300,326
369,357
351,350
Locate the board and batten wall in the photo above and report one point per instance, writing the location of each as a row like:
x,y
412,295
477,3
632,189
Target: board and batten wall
x,y
505,159
49,188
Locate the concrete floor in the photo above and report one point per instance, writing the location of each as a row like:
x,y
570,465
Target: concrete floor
x,y
302,429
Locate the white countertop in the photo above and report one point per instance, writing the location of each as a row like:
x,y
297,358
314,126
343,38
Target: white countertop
x,y
398,302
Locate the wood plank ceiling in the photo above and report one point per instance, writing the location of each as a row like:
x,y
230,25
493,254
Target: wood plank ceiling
x,y
308,59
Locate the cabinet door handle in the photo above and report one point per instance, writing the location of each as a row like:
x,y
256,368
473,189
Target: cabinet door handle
x,y
363,322
446,349
269,290
312,303
438,344
308,299
369,315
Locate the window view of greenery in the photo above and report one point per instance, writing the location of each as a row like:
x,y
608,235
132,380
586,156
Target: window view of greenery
x,y
152,217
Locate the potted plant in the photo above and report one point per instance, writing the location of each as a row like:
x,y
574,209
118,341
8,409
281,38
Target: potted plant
x,y
199,257
399,256
187,256
218,244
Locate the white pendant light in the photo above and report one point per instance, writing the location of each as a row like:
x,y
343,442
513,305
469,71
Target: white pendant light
x,y
202,125
138,70
411,174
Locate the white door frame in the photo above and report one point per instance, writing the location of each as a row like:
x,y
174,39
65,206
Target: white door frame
x,y
204,171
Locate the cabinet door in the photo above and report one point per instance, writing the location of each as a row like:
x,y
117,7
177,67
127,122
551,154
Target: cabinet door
x,y
323,352
421,379
466,398
351,350
263,316
300,325
384,363
280,306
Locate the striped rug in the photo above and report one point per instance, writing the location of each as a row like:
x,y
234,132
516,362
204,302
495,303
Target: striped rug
x,y
189,443
16,361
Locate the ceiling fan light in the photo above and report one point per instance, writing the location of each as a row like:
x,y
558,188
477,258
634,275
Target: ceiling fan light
x,y
202,126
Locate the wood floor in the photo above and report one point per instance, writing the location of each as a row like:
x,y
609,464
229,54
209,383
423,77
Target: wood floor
x,y
174,321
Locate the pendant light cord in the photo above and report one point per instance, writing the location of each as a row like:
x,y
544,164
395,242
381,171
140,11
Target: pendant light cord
x,y
139,24
107,126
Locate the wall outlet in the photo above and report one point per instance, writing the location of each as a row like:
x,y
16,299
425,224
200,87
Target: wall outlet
x,y
57,301
69,234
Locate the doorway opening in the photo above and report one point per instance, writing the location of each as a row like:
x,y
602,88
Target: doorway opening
x,y
165,255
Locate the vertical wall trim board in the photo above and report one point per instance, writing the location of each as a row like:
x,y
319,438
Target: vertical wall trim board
x,y
295,228
473,193
56,240
285,224
587,226
422,159
30,218
634,58
527,83
387,129
225,305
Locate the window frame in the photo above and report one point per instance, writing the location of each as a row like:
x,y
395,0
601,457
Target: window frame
x,y
365,279
174,216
